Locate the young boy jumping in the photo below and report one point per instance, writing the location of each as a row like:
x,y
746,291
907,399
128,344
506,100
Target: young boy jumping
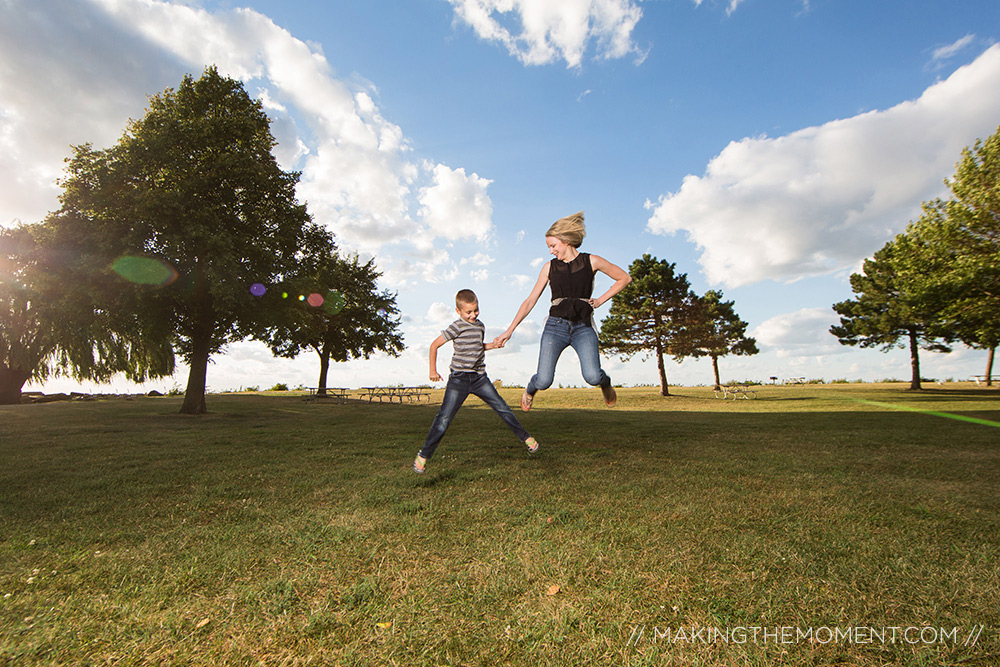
x,y
467,376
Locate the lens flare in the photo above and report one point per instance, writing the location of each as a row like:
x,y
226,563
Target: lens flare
x,y
335,302
257,289
933,413
315,300
144,270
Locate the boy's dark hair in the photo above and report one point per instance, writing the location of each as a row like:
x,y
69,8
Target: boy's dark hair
x,y
465,296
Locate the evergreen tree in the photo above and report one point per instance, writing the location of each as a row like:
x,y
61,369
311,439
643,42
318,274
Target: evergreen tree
x,y
652,315
717,331
894,307
963,234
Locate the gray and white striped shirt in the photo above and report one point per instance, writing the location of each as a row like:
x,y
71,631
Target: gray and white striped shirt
x,y
470,353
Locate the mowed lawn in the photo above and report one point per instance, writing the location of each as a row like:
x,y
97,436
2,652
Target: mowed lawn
x,y
816,525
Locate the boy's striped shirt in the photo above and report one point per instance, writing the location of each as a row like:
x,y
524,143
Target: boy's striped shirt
x,y
469,354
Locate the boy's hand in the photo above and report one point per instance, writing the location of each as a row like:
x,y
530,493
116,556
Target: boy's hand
x,y
501,340
434,376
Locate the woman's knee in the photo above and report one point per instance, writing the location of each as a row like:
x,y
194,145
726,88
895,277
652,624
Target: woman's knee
x,y
594,378
542,381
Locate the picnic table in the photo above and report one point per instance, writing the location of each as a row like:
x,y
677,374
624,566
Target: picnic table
x,y
734,391
980,379
395,394
336,393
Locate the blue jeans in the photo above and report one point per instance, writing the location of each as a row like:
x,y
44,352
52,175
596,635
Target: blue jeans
x,y
460,385
556,337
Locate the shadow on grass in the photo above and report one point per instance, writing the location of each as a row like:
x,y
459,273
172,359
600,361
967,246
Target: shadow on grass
x,y
296,527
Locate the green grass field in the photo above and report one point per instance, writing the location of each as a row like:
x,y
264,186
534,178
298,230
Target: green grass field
x,y
817,525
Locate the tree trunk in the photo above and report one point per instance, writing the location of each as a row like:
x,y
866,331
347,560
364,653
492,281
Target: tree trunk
x,y
324,368
914,361
194,395
715,370
989,367
11,382
664,388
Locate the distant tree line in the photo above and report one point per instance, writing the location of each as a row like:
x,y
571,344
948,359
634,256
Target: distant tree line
x,y
183,237
659,315
937,283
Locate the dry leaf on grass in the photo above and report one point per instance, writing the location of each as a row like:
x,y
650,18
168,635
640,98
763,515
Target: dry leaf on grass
x,y
553,589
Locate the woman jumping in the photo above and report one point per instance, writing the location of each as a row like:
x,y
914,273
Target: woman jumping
x,y
571,315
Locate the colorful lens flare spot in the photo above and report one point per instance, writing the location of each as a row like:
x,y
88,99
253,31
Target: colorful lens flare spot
x,y
258,289
144,271
315,300
335,302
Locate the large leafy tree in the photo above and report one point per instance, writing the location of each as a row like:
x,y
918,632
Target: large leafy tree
x,y
26,341
896,306
717,331
342,314
191,209
55,319
652,315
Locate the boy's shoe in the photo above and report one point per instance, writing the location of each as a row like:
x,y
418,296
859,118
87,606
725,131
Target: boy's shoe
x,y
532,445
419,464
610,397
526,400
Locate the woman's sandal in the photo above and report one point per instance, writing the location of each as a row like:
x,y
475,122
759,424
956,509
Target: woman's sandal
x,y
532,445
610,397
419,464
526,400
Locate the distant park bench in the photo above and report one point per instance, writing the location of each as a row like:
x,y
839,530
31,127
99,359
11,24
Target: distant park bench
x,y
395,394
735,391
337,393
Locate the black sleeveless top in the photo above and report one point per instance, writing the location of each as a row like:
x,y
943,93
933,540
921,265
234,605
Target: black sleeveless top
x,y
572,281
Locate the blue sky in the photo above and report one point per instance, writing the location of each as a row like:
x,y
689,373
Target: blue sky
x,y
764,146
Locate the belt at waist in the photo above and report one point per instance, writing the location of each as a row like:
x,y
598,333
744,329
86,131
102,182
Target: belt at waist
x,y
558,300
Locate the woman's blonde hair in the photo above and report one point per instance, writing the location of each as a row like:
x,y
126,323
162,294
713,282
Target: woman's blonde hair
x,y
569,230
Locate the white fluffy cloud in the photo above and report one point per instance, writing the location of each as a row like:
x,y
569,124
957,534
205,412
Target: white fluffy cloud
x,y
63,80
948,51
551,30
59,86
803,333
820,199
456,205
731,5
440,312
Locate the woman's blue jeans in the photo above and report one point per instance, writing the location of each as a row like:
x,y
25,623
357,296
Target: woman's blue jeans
x,y
460,385
556,337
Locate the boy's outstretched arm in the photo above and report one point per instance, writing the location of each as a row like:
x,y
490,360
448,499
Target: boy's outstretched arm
x,y
435,344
